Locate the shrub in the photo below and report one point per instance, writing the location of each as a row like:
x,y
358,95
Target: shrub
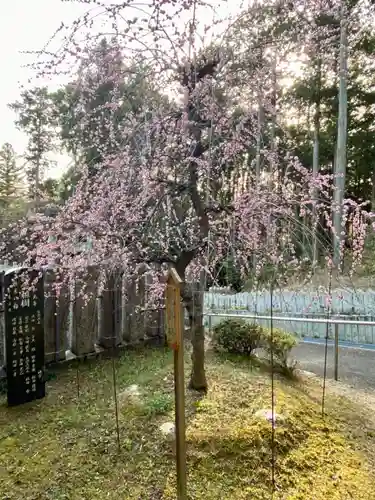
x,y
236,336
282,343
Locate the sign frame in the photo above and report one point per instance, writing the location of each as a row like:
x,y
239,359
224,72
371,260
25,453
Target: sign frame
x,y
24,336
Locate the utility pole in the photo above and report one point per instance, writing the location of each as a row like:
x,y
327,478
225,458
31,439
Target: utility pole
x,y
342,132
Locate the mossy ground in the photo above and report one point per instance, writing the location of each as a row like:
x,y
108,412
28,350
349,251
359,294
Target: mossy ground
x,y
65,446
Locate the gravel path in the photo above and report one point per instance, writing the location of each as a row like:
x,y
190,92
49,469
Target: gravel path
x,y
356,366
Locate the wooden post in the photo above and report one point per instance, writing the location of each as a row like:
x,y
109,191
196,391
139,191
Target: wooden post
x,y
336,351
174,327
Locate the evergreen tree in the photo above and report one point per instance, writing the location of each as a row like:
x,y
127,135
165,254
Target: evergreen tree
x,y
35,118
10,174
50,189
68,183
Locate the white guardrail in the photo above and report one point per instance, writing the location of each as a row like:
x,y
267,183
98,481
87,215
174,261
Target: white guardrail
x,y
332,320
336,321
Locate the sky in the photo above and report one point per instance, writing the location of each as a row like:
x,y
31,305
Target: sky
x,y
26,25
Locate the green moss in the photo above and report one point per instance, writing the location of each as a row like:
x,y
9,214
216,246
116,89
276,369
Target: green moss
x,y
230,447
65,446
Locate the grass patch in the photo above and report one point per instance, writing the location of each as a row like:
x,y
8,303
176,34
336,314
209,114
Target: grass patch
x,y
160,403
65,447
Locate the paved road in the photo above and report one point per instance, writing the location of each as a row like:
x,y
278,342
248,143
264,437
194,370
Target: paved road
x,y
356,366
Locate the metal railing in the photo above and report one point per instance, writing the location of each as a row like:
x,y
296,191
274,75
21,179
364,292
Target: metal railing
x,y
332,320
335,321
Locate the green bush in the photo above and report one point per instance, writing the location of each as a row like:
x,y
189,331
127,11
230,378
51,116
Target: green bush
x,y
159,404
236,336
280,342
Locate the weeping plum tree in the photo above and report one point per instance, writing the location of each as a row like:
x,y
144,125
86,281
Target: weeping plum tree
x,y
165,199
145,211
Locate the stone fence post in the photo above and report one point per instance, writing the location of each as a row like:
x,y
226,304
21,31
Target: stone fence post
x,y
85,313
131,324
110,324
153,317
55,319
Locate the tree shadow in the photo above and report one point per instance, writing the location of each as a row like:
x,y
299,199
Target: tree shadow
x,y
246,459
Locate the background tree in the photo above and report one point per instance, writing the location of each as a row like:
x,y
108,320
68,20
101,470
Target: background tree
x,y
93,111
68,183
307,112
50,189
35,117
13,206
10,175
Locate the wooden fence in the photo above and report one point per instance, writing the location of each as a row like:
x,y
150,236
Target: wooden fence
x,y
114,314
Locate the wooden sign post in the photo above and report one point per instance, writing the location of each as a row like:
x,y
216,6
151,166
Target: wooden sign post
x,y
174,323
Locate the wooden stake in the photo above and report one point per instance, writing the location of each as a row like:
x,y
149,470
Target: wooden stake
x,y
179,387
174,324
336,351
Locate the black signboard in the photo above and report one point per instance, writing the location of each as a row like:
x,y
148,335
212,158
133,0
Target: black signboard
x,y
24,335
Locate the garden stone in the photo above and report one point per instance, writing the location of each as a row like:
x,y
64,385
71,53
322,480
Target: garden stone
x,y
132,390
305,373
69,355
168,430
266,414
131,393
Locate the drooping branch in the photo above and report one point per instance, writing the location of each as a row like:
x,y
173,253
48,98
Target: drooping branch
x,y
191,73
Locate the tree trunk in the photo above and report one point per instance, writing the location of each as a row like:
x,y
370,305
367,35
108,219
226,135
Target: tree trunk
x,y
193,300
340,170
260,117
273,166
316,152
199,204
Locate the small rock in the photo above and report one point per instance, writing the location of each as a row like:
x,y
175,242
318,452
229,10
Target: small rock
x,y
69,355
267,415
168,429
133,390
305,373
260,353
9,442
131,393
